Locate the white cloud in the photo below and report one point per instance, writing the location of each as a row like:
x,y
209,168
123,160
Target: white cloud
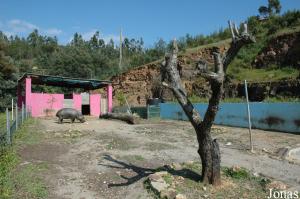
x,y
8,33
53,31
115,38
19,26
87,35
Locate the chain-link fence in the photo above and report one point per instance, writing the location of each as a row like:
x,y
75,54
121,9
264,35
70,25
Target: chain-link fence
x,y
10,124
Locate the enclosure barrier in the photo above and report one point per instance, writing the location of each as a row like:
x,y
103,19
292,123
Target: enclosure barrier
x,y
148,112
13,123
268,116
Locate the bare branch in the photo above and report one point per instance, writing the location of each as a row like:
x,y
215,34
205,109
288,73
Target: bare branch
x,y
218,75
236,29
238,41
245,31
173,82
231,30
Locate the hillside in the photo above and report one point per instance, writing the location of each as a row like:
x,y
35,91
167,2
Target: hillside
x,y
273,70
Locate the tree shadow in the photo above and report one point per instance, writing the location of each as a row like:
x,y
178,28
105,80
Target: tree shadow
x,y
142,172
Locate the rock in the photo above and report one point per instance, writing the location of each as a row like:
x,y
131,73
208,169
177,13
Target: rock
x,y
190,162
205,196
162,173
236,168
176,166
180,178
256,174
168,194
157,182
276,185
228,144
282,152
155,178
180,196
293,155
159,186
204,188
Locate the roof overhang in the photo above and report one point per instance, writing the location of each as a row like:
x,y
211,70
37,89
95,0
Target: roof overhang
x,y
67,82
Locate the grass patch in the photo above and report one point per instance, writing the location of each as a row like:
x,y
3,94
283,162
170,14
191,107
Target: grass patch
x,y
168,178
21,181
261,75
236,183
219,43
287,30
236,173
282,99
28,182
8,161
27,134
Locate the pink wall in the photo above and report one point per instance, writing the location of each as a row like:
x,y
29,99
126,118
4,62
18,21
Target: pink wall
x,y
43,104
109,98
28,93
95,100
46,104
77,101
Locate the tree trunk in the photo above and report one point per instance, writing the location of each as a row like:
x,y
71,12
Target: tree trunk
x,y
208,148
210,158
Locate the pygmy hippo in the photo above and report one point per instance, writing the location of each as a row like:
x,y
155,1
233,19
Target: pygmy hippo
x,y
69,113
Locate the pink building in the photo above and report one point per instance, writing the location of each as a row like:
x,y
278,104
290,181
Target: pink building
x,y
47,104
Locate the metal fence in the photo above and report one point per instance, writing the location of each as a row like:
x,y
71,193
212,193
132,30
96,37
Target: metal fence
x,y
14,119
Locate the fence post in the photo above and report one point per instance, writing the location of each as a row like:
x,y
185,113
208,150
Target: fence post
x,y
22,113
8,127
17,116
249,116
12,109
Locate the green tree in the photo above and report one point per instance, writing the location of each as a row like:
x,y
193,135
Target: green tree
x,y
263,11
7,78
274,6
94,41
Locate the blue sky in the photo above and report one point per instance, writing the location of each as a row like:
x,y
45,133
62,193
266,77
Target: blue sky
x,y
152,19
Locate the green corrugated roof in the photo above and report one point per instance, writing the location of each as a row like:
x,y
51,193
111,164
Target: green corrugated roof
x,y
68,82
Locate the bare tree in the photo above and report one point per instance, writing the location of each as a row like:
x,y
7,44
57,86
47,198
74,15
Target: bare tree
x,y
208,148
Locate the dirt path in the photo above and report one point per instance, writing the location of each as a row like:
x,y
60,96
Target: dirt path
x,y
109,159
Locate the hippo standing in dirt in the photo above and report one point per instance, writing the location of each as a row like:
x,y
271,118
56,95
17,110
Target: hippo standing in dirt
x,y
69,113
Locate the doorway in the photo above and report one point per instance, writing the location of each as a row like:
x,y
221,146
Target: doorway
x,y
85,109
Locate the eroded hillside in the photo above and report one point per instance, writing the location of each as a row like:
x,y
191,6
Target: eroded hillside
x,y
141,83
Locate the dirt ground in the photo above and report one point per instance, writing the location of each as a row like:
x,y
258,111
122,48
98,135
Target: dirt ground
x,y
110,159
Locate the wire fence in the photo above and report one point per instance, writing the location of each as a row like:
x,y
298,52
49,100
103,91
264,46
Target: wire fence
x,y
10,124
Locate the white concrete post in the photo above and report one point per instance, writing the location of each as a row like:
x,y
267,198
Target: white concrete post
x,y
249,116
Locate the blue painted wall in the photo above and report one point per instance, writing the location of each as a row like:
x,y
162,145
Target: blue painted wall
x,y
269,116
